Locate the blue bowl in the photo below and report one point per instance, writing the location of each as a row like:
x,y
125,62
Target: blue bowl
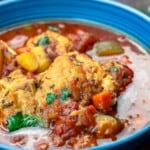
x,y
106,13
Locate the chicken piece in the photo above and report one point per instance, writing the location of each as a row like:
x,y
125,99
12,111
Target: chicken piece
x,y
108,83
7,105
81,75
76,72
120,74
107,126
5,46
16,95
93,71
56,42
5,52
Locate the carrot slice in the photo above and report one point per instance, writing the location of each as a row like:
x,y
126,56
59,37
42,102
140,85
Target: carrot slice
x,y
102,100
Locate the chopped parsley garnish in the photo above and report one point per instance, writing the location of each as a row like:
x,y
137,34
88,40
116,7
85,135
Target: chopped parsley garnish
x,y
65,93
43,41
14,122
114,68
29,121
19,121
50,97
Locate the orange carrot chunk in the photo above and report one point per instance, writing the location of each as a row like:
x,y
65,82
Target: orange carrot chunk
x,y
22,50
102,100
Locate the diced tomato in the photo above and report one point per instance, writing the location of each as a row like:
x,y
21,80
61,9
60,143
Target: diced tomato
x,y
66,128
68,107
82,41
89,115
91,109
86,116
102,100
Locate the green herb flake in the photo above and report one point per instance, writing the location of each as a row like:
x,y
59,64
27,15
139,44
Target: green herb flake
x,y
29,121
50,97
43,41
19,121
114,68
14,122
65,93
40,120
53,28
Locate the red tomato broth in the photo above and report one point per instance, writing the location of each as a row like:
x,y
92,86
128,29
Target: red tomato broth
x,y
133,104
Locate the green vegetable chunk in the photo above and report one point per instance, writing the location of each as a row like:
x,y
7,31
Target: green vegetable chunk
x,y
40,120
50,98
29,121
43,41
107,48
65,93
19,121
114,68
14,122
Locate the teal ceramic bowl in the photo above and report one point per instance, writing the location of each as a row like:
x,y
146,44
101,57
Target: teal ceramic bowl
x,y
101,12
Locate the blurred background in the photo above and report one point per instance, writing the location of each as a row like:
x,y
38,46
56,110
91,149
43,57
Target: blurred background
x,y
142,5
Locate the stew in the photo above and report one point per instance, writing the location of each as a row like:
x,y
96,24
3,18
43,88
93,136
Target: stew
x,y
70,86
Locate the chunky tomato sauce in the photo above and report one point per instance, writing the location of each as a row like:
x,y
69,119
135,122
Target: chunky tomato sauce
x,y
132,106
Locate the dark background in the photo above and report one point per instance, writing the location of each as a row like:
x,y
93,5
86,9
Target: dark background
x,y
142,5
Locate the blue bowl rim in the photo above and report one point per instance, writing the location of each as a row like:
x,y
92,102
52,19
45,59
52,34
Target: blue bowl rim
x,y
122,140
111,2
129,9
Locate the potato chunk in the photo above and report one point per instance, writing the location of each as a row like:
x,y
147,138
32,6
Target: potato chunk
x,y
28,61
71,71
62,43
107,48
107,125
16,95
42,58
